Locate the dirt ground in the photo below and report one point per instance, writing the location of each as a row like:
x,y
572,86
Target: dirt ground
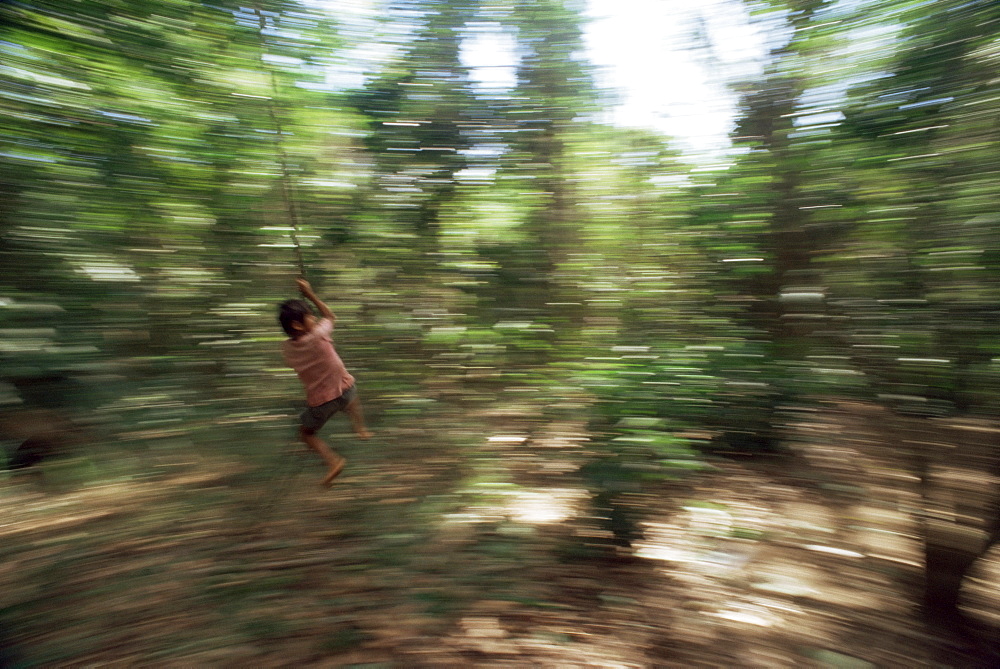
x,y
462,548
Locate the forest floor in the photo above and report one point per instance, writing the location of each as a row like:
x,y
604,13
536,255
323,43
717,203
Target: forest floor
x,y
454,540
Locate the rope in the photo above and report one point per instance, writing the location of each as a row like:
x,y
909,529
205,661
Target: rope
x,y
286,189
292,466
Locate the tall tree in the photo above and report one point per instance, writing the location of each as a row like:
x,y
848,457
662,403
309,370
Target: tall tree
x,y
760,223
924,262
551,102
417,108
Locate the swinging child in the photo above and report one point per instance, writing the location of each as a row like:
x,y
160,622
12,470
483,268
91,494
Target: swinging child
x,y
329,386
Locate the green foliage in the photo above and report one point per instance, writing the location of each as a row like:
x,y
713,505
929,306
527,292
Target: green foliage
x,y
158,157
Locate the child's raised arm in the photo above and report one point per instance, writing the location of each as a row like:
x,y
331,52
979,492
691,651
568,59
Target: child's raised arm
x,y
307,292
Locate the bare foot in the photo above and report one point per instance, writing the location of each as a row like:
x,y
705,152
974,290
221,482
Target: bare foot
x,y
363,433
334,472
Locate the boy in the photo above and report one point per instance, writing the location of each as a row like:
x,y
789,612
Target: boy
x,y
329,386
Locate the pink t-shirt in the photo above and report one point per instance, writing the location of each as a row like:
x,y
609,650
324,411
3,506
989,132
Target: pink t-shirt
x,y
319,367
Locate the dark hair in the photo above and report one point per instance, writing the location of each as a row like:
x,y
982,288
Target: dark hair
x,y
290,312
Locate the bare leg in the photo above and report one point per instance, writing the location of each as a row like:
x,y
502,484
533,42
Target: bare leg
x,y
354,412
334,462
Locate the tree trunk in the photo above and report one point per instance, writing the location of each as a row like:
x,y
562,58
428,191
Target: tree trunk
x,y
945,569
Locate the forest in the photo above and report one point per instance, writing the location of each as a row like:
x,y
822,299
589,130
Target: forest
x,y
632,406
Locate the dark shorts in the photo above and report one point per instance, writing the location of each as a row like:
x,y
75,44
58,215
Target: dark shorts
x,y
313,418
